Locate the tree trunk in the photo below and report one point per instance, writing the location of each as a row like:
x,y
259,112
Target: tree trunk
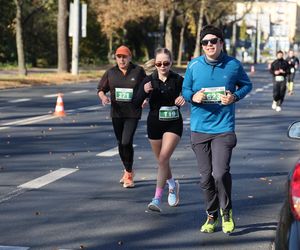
x,y
110,53
168,36
181,41
19,39
62,36
233,39
199,27
161,27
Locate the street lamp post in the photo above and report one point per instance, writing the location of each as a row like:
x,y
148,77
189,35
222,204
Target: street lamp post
x,y
75,40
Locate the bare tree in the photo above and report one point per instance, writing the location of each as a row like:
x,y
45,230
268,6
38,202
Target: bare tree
x,y
108,12
19,38
62,36
199,27
168,35
161,26
181,39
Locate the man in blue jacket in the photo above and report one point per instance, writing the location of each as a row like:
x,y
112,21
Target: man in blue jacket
x,y
213,83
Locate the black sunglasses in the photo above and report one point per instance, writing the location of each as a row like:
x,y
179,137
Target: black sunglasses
x,y
159,64
212,41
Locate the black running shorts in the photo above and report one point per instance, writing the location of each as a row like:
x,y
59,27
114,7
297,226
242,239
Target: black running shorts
x,y
156,128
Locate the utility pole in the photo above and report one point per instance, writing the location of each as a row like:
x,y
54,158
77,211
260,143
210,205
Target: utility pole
x,y
75,40
256,40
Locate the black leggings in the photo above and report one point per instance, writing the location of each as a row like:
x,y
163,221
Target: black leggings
x,y
291,77
279,89
124,129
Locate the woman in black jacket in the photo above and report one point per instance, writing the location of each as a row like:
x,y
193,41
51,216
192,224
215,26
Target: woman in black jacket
x,y
164,122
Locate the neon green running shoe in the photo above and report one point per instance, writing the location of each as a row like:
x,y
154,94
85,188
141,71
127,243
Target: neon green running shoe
x,y
227,221
210,225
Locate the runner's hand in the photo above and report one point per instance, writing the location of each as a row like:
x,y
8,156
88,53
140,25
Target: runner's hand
x,y
148,87
105,100
227,99
145,102
179,101
199,96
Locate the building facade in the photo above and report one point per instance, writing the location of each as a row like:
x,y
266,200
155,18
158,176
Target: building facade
x,y
271,25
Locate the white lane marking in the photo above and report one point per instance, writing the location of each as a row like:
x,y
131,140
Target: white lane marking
x,y
110,152
12,194
91,108
48,178
259,90
51,95
13,248
27,121
72,92
20,100
79,91
37,119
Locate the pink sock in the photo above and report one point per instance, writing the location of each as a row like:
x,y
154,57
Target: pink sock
x,y
158,193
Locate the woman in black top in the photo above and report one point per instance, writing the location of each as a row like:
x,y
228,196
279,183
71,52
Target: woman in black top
x,y
122,81
164,123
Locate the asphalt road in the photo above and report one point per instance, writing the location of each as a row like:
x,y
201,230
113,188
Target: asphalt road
x,y
57,192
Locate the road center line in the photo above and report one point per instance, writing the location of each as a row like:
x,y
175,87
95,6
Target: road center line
x,y
27,121
79,91
13,248
50,96
41,118
48,178
20,100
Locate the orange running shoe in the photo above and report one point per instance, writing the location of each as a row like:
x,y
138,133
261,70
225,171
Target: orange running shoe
x,y
128,179
123,176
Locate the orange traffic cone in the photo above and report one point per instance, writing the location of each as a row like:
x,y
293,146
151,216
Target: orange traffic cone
x,y
252,71
59,108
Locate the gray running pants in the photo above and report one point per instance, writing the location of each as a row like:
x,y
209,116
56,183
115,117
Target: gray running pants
x,y
213,153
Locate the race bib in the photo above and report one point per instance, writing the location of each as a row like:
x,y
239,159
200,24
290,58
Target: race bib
x,y
123,94
167,113
213,95
279,78
292,70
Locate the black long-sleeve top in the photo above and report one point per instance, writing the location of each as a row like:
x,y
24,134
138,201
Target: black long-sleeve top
x,y
280,64
292,61
114,78
163,93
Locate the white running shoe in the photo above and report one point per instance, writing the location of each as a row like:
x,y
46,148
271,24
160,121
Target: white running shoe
x,y
274,105
173,197
278,108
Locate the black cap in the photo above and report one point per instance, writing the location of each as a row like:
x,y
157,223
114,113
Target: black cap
x,y
209,29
